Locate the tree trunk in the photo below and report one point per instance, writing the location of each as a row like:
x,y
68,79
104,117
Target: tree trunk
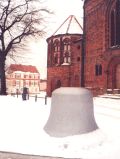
x,y
2,77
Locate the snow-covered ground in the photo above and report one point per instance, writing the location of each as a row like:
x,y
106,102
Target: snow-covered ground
x,y
22,122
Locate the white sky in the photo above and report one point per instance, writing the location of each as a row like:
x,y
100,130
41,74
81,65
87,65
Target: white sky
x,y
22,123
62,10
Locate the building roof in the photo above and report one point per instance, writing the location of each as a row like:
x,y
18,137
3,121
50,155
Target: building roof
x,y
23,68
70,25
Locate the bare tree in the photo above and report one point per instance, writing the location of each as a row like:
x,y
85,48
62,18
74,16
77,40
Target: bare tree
x,y
19,19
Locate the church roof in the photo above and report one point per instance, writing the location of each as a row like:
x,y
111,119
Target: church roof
x,y
23,68
71,25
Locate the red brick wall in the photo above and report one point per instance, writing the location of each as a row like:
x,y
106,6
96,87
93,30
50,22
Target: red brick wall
x,y
94,31
68,75
97,50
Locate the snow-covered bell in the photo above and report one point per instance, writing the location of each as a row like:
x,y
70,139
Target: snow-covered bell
x,y
71,112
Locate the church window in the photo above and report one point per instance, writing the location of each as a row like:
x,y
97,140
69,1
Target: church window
x,y
56,46
98,69
115,24
67,57
67,53
66,44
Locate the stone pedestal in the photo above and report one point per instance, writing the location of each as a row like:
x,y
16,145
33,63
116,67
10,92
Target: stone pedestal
x,y
71,112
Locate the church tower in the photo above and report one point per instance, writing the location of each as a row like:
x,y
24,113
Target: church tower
x,y
65,56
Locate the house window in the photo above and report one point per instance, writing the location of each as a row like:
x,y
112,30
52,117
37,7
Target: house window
x,y
98,70
32,83
25,76
35,83
27,82
13,83
17,82
36,76
17,75
115,24
31,76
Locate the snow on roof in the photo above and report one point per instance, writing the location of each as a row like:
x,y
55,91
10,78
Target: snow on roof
x,y
23,68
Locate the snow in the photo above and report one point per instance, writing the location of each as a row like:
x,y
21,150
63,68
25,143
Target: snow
x,y
22,122
71,106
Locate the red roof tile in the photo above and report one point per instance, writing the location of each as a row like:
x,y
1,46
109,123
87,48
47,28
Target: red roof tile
x,y
23,68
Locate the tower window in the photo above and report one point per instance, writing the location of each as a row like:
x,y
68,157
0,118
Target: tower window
x,y
56,46
67,57
67,53
66,44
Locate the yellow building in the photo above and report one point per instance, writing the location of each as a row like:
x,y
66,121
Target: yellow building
x,y
19,76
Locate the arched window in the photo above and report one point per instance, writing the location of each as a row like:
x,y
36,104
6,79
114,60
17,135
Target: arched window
x,y
112,28
67,57
66,44
56,45
67,52
115,24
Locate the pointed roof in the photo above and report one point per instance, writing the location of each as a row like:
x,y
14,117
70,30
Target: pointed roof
x,y
70,25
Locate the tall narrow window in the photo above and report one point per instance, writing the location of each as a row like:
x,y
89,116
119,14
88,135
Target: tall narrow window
x,y
56,46
118,22
113,28
67,53
66,45
115,24
98,70
66,57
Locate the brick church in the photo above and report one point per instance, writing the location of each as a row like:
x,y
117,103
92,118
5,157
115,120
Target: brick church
x,y
90,59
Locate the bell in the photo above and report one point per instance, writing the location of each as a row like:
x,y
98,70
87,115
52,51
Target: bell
x,y
71,112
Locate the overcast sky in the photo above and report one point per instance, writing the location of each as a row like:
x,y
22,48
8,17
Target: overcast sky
x,y
62,10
